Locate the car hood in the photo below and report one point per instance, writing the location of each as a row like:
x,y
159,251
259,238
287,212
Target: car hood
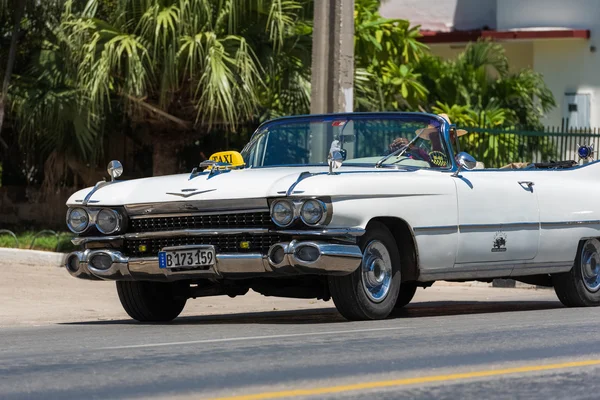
x,y
234,184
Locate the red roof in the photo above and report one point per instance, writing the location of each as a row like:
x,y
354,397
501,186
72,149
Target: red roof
x,y
470,36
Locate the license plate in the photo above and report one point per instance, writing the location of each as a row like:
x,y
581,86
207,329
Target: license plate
x,y
190,257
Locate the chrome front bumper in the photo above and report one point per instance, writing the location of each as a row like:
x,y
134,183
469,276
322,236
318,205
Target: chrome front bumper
x,y
282,259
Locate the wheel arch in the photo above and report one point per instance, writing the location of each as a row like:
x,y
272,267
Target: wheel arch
x,y
403,234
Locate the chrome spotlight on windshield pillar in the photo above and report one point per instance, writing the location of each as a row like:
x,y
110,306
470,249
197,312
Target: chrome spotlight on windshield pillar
x,y
464,161
335,160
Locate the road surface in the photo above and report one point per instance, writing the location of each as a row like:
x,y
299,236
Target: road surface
x,y
479,343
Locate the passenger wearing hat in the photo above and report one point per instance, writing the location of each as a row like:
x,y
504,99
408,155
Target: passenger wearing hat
x,y
429,133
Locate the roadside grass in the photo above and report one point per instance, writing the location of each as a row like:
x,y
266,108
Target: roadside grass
x,y
46,242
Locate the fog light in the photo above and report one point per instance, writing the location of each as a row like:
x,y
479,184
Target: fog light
x,y
308,254
277,255
72,263
101,262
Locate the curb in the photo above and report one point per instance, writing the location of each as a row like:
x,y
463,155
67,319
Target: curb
x,y
10,256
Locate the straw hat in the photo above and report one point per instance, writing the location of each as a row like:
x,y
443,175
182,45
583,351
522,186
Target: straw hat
x,y
426,132
459,132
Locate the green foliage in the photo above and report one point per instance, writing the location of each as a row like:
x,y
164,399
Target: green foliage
x,y
43,242
479,84
385,53
205,56
199,66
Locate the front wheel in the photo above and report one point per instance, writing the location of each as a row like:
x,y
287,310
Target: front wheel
x,y
371,291
580,287
150,301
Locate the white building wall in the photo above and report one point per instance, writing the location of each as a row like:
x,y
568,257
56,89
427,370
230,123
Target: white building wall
x,y
574,14
568,66
443,15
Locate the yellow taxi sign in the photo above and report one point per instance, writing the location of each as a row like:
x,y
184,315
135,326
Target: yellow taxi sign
x,y
230,157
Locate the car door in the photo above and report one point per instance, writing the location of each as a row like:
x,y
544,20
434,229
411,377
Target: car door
x,y
498,216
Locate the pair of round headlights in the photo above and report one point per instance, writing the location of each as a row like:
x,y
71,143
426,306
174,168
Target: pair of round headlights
x,y
106,220
312,212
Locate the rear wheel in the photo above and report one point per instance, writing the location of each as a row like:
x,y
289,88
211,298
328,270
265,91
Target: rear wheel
x,y
580,287
371,291
407,292
150,301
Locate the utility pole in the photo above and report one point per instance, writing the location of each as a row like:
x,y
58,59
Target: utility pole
x,y
332,77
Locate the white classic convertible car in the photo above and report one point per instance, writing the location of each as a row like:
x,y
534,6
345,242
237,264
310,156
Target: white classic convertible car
x,y
360,208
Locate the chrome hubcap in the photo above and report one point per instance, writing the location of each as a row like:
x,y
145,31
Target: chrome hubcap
x,y
376,271
590,265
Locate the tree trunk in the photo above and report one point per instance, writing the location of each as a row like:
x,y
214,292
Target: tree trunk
x,y
164,154
19,10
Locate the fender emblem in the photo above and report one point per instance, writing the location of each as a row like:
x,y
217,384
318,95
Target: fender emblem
x,y
189,194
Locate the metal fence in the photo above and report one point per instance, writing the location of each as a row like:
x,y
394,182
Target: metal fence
x,y
496,147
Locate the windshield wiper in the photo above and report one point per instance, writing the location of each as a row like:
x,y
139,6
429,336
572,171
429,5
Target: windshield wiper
x,y
400,151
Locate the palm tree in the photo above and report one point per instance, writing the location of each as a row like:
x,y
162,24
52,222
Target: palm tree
x,y
14,9
180,66
479,79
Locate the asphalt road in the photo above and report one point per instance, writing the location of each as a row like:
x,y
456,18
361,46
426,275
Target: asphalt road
x,y
438,350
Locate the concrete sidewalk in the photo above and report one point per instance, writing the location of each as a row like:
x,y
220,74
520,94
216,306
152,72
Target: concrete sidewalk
x,y
36,290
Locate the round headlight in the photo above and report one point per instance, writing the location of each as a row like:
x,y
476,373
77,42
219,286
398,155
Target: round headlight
x,y
312,212
282,212
107,221
78,220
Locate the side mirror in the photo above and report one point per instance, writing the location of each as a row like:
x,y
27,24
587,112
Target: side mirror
x,y
114,169
335,160
464,161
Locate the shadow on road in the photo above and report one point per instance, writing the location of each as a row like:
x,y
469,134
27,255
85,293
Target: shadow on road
x,y
330,315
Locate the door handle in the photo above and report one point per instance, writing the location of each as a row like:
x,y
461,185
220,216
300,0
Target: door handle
x,y
529,184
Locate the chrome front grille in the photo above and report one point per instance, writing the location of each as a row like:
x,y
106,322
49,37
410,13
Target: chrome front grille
x,y
216,221
243,243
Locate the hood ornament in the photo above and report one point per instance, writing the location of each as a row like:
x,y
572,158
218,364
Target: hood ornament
x,y
185,193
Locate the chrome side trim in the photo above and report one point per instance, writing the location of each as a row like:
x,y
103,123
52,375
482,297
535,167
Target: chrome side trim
x,y
470,271
436,229
226,212
550,225
213,232
474,227
175,207
324,232
512,225
515,225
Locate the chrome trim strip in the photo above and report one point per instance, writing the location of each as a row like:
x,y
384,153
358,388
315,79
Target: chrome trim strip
x,y
324,232
515,225
436,229
568,223
511,225
225,212
469,271
379,196
174,207
211,232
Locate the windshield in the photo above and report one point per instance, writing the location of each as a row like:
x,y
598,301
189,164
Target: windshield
x,y
413,140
